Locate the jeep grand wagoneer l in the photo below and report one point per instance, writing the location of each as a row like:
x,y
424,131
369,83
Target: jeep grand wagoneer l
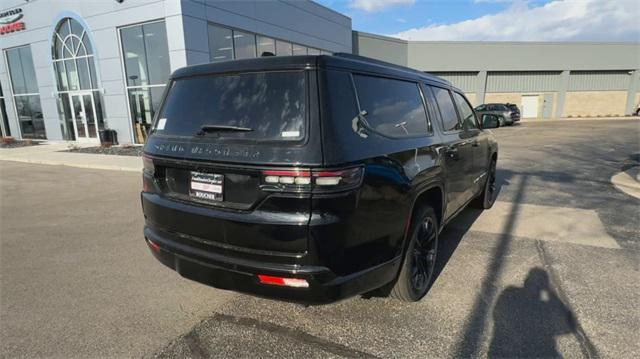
x,y
310,178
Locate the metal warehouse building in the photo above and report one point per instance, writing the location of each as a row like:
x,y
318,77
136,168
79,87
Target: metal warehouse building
x,y
71,68
545,79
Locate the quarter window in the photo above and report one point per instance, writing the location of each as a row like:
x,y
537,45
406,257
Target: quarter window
x,y
466,113
394,108
447,109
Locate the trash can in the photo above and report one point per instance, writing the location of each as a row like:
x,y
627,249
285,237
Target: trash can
x,y
108,137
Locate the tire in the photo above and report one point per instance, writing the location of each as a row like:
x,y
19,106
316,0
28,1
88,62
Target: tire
x,y
487,197
416,275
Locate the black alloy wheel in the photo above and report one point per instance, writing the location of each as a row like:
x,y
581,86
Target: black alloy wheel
x,y
416,274
424,256
487,197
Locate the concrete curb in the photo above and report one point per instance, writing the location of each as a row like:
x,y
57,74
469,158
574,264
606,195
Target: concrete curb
x,y
76,165
625,182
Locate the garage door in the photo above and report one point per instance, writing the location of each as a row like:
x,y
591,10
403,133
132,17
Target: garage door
x,y
529,106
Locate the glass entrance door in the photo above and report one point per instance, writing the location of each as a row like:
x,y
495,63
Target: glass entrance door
x,y
84,116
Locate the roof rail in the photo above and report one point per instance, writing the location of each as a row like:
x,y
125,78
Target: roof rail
x,y
389,64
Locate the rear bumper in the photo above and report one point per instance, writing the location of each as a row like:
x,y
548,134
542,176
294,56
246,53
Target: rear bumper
x,y
220,270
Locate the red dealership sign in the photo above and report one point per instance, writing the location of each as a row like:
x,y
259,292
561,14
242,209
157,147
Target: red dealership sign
x,y
9,21
16,26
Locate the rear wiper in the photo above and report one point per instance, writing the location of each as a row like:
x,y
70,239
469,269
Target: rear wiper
x,y
204,129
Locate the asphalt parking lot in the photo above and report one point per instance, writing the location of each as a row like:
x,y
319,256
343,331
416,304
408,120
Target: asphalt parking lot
x,y
553,269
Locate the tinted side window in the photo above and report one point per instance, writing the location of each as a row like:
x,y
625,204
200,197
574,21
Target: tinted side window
x,y
394,108
447,110
465,111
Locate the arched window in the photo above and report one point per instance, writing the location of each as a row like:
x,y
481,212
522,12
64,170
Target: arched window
x,y
73,57
79,97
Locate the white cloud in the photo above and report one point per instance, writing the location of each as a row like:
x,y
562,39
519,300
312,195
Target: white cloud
x,y
377,5
491,1
560,20
401,20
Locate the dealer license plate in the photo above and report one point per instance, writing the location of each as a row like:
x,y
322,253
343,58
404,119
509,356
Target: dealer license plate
x,y
207,186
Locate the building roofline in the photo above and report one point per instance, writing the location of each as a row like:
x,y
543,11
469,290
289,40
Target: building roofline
x,y
381,37
524,43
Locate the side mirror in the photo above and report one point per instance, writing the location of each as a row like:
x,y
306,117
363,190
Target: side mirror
x,y
490,121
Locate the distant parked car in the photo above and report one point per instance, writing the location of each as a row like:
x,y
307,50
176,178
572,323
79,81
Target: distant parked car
x,y
515,111
637,110
507,113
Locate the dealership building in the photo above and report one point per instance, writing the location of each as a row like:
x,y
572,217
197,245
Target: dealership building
x,y
71,68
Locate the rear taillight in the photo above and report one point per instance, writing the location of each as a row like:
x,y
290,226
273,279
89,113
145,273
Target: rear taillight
x,y
316,180
147,165
148,174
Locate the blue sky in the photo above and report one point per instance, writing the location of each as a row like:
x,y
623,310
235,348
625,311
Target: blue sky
x,y
496,20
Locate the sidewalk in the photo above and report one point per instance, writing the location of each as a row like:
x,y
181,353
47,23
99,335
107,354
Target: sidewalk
x,y
48,154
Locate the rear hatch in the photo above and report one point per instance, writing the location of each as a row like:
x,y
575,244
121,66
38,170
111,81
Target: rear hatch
x,y
213,142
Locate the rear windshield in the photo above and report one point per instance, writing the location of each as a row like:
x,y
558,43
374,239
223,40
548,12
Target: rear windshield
x,y
254,106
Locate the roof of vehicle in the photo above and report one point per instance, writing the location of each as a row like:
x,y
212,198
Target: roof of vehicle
x,y
494,103
337,60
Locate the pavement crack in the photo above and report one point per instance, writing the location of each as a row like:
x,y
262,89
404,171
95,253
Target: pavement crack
x,y
295,334
588,348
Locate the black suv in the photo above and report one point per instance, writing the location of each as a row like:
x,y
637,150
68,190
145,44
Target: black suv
x,y
311,178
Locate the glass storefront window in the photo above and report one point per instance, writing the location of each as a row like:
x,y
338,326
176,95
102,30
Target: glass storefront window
x,y
228,44
6,130
146,54
299,49
22,71
144,103
146,57
99,110
30,116
135,61
157,49
265,44
244,45
220,44
64,114
83,75
25,92
283,48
